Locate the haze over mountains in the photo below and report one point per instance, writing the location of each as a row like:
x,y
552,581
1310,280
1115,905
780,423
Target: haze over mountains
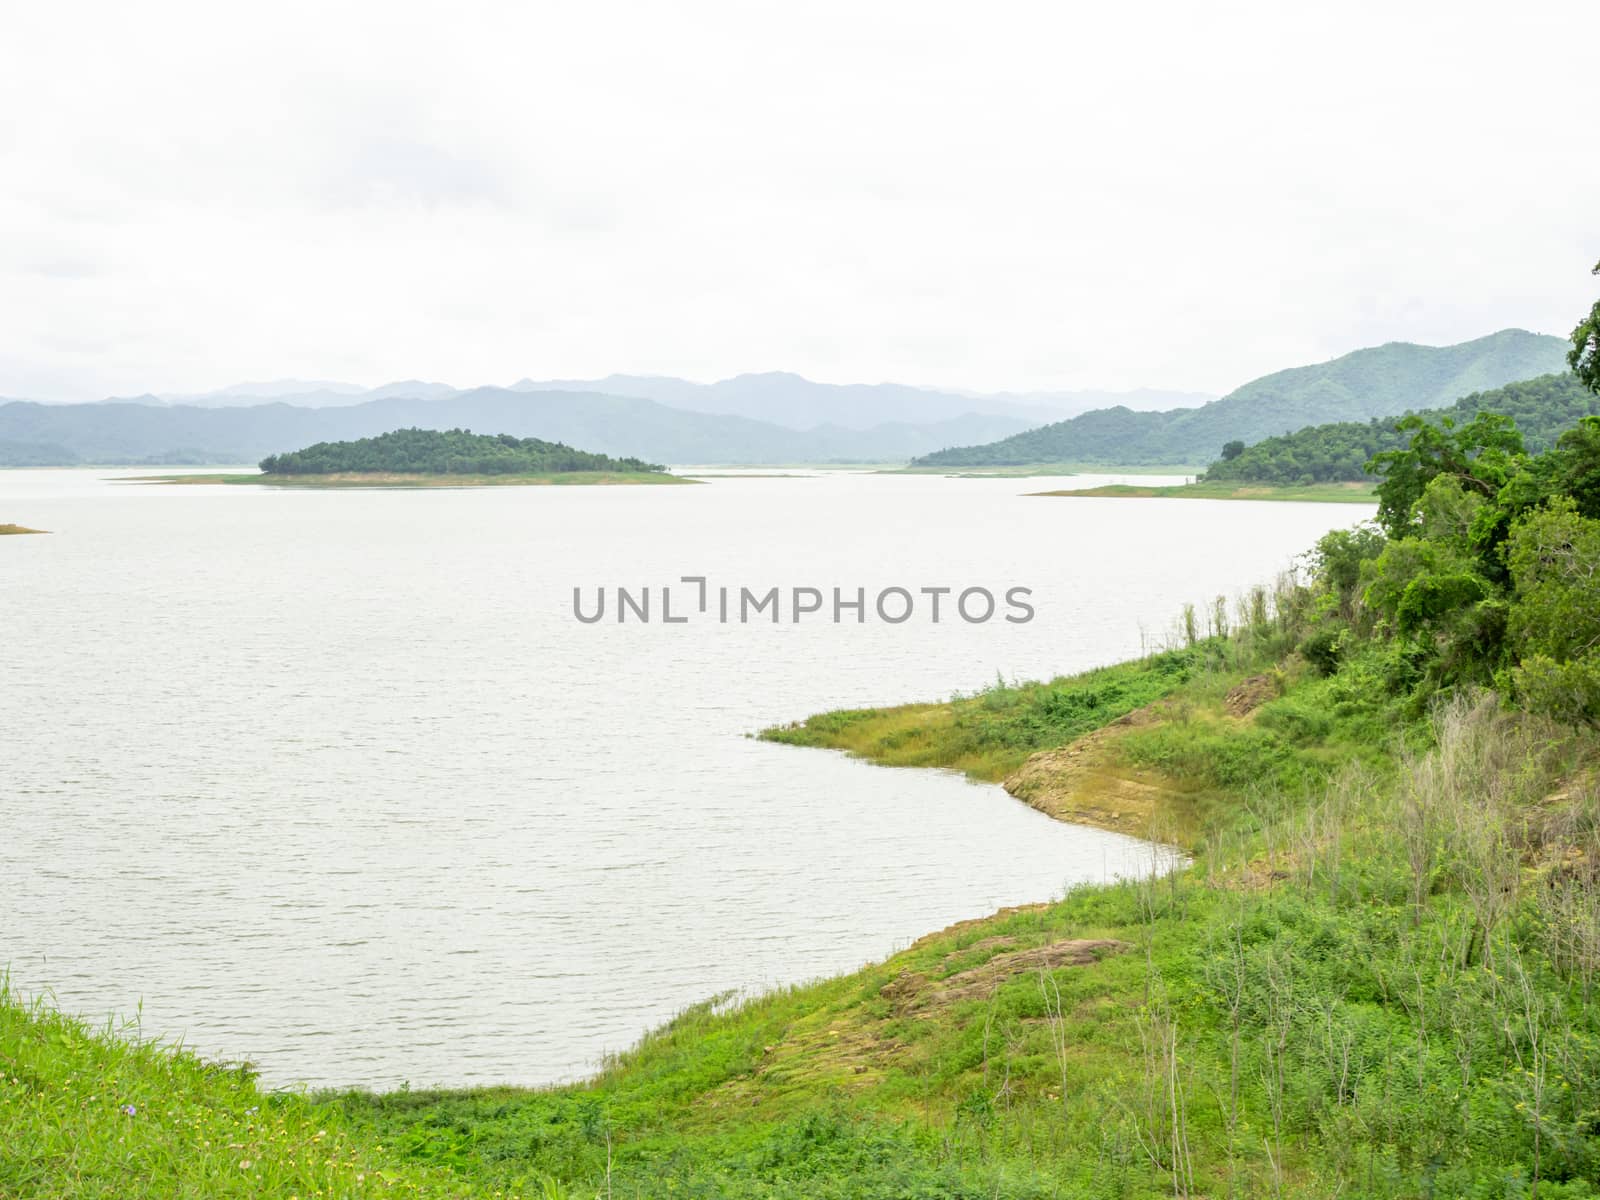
x,y
1382,381
776,417
780,397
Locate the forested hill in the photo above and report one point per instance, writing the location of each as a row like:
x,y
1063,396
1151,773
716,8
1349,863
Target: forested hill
x,y
1383,381
448,452
1543,409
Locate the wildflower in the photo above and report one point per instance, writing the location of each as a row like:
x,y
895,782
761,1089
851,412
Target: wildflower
x,y
130,1110
244,1164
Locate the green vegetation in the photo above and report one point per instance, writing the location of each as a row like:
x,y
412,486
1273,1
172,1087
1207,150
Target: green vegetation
x,y
1384,381
100,1114
451,452
989,735
1543,409
1208,489
5,529
1584,357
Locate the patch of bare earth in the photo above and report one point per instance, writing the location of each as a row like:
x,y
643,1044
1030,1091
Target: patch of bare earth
x,y
921,995
853,1050
1088,782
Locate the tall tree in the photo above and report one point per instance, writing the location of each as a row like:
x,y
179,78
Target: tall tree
x,y
1584,357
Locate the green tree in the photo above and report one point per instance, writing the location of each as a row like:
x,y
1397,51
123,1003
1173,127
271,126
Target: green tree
x,y
1584,357
1232,450
1554,555
1481,456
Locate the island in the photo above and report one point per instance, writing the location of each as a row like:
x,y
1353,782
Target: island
x,y
438,458
5,529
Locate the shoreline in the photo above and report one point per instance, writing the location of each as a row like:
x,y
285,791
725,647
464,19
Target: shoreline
x,y
1318,493
397,479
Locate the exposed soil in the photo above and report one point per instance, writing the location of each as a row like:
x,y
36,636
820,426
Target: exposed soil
x,y
1088,782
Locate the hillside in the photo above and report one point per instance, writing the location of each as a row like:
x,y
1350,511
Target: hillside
x,y
1382,381
124,432
1543,409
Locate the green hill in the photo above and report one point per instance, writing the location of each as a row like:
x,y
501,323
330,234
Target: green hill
x,y
1543,408
1383,381
448,452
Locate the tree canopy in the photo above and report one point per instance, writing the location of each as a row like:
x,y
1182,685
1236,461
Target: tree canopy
x,y
1543,409
448,452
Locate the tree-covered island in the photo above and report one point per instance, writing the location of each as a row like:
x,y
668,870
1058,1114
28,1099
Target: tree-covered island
x,y
439,458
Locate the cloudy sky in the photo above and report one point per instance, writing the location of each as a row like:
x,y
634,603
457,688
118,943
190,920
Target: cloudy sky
x,y
994,195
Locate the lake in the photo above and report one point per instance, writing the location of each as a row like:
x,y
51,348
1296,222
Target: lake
x,y
334,782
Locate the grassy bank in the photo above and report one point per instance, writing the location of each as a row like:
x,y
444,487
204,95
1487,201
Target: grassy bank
x,y
6,529
96,1113
380,479
1342,493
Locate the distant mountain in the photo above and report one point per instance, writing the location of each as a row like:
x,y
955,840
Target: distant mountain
x,y
622,426
304,394
791,400
1379,382
1543,408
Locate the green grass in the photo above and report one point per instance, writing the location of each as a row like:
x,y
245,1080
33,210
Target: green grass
x,y
87,1113
1338,493
395,480
990,734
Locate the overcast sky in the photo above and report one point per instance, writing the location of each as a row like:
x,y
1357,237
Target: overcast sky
x,y
984,195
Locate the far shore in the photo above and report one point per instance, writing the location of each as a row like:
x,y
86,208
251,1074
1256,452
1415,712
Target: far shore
x,y
382,479
1031,469
5,529
1334,493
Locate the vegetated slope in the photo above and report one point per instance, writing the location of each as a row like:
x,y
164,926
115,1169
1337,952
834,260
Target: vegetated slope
x,y
1543,409
451,452
51,434
1377,382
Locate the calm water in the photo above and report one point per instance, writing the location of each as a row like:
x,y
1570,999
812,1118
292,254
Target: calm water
x,y
333,781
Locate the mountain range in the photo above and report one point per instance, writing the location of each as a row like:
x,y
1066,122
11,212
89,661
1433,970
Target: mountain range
x,y
776,417
1382,381
622,426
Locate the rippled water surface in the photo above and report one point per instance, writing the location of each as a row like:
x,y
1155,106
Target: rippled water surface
x,y
334,782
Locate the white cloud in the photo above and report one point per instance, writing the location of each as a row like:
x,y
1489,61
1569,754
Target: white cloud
x,y
999,195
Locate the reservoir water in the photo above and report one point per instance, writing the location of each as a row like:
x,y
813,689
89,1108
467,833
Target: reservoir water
x,y
333,781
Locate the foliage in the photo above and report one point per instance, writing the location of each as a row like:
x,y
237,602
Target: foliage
x,y
99,1113
451,452
1542,408
1584,357
990,733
